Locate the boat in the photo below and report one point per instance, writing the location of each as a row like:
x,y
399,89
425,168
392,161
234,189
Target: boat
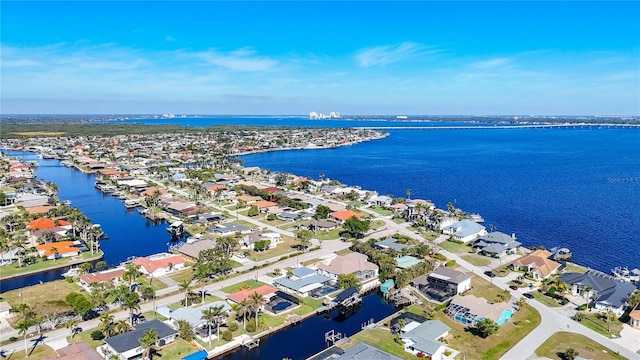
x,y
72,272
131,203
623,273
562,254
176,229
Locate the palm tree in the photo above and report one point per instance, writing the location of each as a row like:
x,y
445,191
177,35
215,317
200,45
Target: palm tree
x,y
256,301
55,252
106,324
23,327
211,315
131,272
147,343
121,326
409,193
132,303
243,309
72,325
186,286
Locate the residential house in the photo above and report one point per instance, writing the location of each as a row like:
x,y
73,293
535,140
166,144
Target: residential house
x,y
248,241
45,223
159,265
59,249
321,225
106,276
407,261
126,345
465,230
191,314
497,244
607,293
266,291
536,264
392,244
382,201
468,309
352,263
344,215
359,351
192,249
634,317
230,228
443,283
302,281
5,309
77,351
424,340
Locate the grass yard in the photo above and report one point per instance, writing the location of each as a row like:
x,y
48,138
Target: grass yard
x,y
182,275
544,299
38,353
13,269
288,245
599,324
85,336
382,339
245,285
482,288
430,235
472,347
176,350
455,247
476,260
381,211
571,267
328,235
559,342
38,294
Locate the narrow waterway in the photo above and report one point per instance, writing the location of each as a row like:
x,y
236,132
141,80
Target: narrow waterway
x,y
308,338
129,233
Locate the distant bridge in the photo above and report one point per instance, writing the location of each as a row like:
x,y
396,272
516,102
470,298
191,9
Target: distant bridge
x,y
505,127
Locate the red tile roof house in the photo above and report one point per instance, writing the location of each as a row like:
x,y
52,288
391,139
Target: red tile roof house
x,y
161,265
344,215
267,292
63,249
45,223
106,276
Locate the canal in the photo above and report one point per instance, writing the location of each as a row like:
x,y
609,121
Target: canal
x,y
301,341
128,233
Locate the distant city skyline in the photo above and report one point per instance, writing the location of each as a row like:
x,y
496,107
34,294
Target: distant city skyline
x,y
295,57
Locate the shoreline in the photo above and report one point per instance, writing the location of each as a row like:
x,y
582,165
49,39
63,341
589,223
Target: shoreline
x,y
59,266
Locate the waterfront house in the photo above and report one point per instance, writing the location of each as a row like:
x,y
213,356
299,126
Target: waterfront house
x,y
607,293
28,200
424,340
634,317
359,351
344,215
159,265
302,281
126,345
229,228
352,263
192,249
468,309
45,223
5,309
465,230
192,314
382,201
536,264
497,244
100,277
59,249
266,291
443,283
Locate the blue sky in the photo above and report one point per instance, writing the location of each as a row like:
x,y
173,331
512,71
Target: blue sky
x,y
293,57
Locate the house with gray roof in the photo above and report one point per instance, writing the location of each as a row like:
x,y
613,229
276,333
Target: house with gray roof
x,y
425,339
497,244
392,243
443,283
193,249
301,286
465,230
609,294
126,345
229,229
193,315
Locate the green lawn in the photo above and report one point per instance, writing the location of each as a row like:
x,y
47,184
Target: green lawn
x,y
476,260
544,299
182,275
596,323
36,295
559,342
245,285
455,247
571,267
483,288
85,336
13,269
382,339
38,353
288,245
176,350
328,235
381,211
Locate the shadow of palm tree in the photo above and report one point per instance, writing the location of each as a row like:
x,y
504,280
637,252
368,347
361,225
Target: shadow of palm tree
x,y
36,341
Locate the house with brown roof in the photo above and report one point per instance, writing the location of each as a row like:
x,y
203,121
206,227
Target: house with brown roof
x,y
634,317
193,249
78,351
468,309
352,263
537,264
266,291
344,215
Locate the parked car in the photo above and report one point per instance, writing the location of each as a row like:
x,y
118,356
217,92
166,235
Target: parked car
x,y
490,273
528,296
513,287
91,314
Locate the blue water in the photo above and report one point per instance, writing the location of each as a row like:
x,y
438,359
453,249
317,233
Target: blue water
x,y
307,338
129,233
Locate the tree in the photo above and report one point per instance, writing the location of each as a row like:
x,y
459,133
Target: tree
x,y
486,327
211,315
256,301
322,212
451,207
106,324
132,303
409,193
242,310
72,324
355,226
253,211
634,299
304,237
121,327
401,325
186,286
281,179
346,281
23,329
570,354
579,316
148,342
101,265
85,267
185,330
131,272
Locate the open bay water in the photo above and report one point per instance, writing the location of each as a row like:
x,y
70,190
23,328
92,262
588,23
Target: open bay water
x,y
576,187
129,233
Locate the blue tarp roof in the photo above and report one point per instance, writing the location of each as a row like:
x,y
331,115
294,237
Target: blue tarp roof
x,y
200,355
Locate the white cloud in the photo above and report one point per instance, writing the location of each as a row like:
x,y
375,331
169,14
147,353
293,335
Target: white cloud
x,y
389,54
491,64
239,60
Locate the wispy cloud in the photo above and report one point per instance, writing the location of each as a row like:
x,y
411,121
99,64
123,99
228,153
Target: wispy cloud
x,y
389,54
245,59
491,63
